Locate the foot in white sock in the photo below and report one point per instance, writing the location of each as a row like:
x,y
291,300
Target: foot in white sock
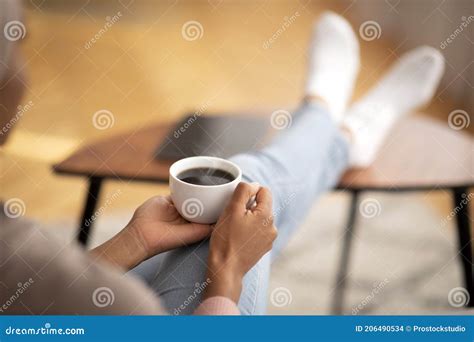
x,y
409,84
333,63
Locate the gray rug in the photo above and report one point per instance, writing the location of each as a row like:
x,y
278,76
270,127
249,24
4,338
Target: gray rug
x,y
404,258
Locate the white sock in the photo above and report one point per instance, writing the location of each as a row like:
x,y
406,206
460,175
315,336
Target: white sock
x,y
333,62
409,84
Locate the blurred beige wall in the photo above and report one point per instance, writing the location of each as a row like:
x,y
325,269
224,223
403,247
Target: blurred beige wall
x,y
447,25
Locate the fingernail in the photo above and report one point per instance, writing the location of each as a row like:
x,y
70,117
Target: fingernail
x,y
252,203
255,183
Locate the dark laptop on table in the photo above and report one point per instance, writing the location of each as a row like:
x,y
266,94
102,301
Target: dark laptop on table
x,y
214,135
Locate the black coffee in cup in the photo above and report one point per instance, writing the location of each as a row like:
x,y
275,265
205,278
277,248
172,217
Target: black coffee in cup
x,y
205,176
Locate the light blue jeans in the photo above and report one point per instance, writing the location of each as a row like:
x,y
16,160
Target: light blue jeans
x,y
302,162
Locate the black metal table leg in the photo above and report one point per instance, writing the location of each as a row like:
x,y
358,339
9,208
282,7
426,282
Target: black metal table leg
x,y
461,208
89,209
340,286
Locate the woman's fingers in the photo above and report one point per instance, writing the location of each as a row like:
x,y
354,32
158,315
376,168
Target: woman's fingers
x,y
252,196
188,233
264,200
243,194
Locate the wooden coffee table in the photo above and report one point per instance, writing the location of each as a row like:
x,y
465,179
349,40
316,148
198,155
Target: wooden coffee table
x,y
420,155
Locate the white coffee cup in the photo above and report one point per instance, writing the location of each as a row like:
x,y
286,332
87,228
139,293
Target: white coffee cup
x,y
202,203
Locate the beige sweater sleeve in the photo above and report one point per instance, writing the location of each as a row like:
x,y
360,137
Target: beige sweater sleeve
x,y
39,275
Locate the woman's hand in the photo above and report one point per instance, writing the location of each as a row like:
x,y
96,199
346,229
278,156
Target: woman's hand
x,y
240,238
155,227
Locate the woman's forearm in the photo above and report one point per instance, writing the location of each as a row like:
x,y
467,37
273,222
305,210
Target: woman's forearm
x,y
125,250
